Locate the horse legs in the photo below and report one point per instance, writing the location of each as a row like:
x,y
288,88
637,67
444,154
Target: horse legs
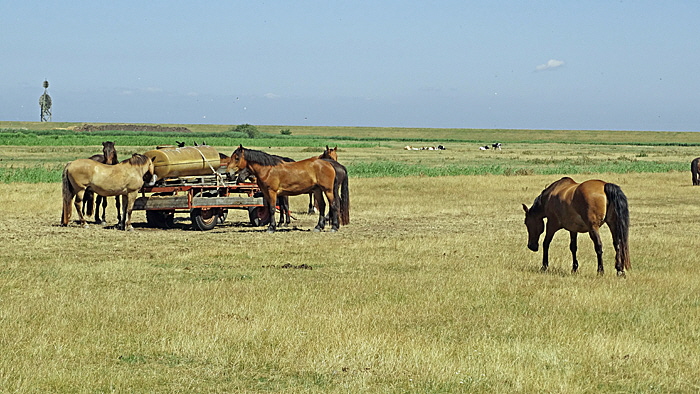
x,y
119,209
573,248
270,201
128,203
619,264
283,203
333,204
312,207
99,200
598,244
548,235
318,194
78,203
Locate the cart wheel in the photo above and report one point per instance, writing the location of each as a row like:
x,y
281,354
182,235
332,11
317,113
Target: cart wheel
x,y
259,216
162,219
204,219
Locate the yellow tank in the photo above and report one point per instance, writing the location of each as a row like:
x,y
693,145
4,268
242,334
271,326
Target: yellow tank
x,y
171,162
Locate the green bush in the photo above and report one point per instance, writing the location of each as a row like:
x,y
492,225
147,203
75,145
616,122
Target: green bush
x,y
248,129
286,132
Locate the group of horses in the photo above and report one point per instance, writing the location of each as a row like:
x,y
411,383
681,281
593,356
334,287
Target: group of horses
x,y
566,204
277,178
105,176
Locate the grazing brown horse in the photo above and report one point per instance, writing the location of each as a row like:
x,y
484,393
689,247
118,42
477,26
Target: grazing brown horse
x,y
276,177
123,179
90,203
695,170
580,208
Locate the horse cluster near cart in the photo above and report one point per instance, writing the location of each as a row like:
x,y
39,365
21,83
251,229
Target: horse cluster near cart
x,y
195,180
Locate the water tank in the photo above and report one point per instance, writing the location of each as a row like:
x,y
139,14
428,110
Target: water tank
x,y
170,161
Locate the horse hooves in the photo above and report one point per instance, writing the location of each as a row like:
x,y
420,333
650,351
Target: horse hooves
x,y
86,225
621,274
334,230
317,230
270,230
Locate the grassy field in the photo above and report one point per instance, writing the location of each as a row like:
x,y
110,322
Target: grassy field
x,y
39,155
429,289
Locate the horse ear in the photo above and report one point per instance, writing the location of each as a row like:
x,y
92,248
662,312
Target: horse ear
x,y
525,208
240,146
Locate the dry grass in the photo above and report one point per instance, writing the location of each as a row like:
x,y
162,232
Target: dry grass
x,y
429,289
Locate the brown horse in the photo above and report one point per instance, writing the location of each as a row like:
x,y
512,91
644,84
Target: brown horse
x,y
328,155
695,170
276,177
341,183
580,208
123,179
108,156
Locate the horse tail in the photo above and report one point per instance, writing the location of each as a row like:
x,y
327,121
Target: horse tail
x,y
344,201
694,170
68,194
618,202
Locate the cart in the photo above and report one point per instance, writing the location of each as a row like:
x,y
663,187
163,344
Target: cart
x,y
206,198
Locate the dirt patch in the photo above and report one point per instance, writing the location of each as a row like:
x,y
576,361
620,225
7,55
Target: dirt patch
x,y
131,127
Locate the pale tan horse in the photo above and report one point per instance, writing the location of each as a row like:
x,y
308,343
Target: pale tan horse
x,y
580,208
123,179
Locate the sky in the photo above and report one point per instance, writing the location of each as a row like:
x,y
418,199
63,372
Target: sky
x,y
567,65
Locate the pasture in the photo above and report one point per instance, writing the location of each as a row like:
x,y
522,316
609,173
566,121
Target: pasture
x,y
429,289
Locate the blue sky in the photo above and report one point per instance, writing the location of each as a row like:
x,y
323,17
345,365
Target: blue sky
x,y
619,65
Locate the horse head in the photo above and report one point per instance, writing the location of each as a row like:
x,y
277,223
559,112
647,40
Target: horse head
x,y
534,221
237,162
330,153
146,166
109,153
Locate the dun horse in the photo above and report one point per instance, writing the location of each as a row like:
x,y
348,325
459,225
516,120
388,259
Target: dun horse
x,y
695,170
123,179
580,208
90,203
276,177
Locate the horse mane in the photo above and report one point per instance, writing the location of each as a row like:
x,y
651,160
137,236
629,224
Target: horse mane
x,y
538,204
260,157
137,159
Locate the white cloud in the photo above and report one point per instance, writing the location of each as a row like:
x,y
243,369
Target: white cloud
x,y
551,63
272,96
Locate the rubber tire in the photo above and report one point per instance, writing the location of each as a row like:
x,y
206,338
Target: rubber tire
x,y
204,220
258,216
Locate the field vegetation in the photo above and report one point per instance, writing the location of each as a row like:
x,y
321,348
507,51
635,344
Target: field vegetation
x,y
429,289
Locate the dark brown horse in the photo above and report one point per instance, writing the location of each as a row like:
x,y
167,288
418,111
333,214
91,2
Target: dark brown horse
x,y
341,182
580,208
695,170
330,155
276,177
123,179
90,203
